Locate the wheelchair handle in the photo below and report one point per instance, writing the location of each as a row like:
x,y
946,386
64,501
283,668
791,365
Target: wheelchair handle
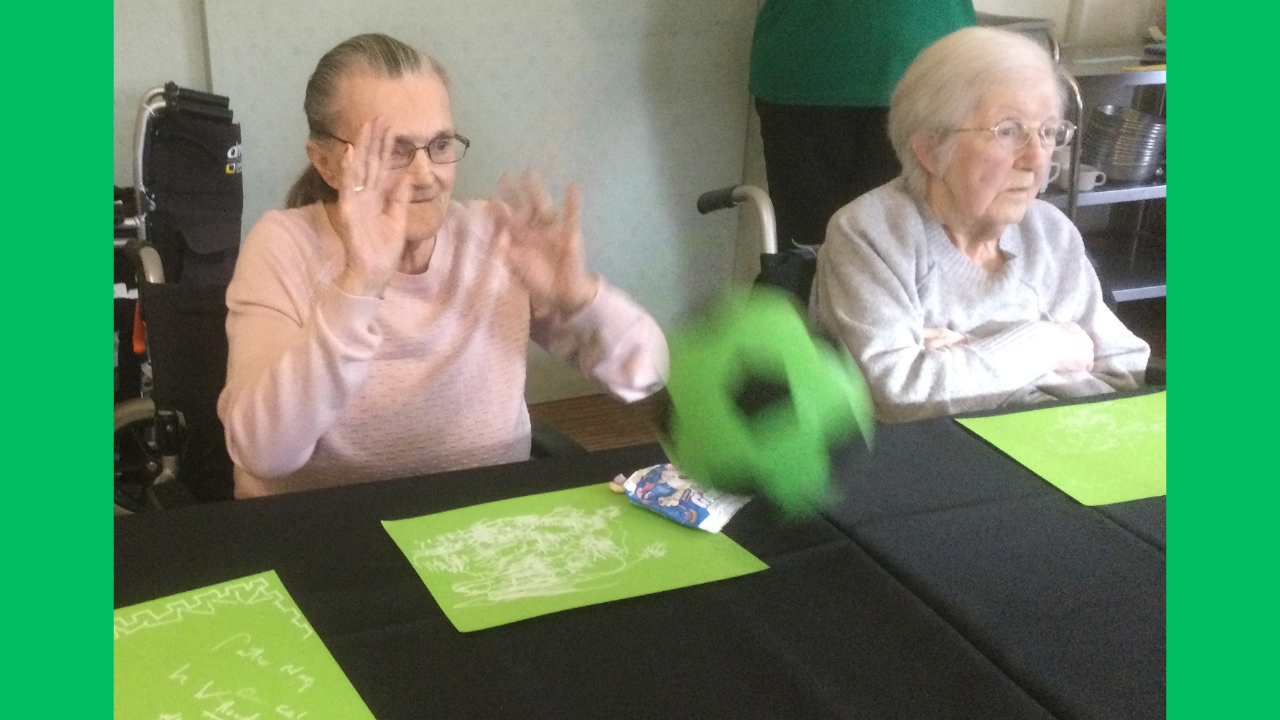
x,y
196,96
713,200
725,198
194,102
154,101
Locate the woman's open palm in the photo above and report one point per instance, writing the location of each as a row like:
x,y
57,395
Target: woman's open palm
x,y
543,246
373,203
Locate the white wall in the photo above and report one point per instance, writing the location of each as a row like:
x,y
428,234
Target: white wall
x,y
1086,22
643,102
155,41
1112,22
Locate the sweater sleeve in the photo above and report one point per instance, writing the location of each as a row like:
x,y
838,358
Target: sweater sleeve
x,y
865,291
1119,356
612,340
291,368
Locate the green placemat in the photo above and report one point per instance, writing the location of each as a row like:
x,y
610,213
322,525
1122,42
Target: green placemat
x,y
514,559
1098,453
241,649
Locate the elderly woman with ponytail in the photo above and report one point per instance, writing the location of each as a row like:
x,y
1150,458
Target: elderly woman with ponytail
x,y
377,327
953,286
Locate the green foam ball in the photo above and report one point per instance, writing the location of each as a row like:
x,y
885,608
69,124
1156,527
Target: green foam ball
x,y
755,403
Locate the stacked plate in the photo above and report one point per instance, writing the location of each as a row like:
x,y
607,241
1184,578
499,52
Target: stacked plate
x,y
1126,144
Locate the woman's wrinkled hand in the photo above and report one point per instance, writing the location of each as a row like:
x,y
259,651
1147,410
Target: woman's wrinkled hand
x,y
373,202
937,338
543,246
1075,348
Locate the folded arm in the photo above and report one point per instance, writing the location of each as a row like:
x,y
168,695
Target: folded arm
x,y
868,298
1120,357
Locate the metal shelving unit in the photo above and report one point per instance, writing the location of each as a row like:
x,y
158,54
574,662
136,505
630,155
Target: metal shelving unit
x,y
1109,194
1128,260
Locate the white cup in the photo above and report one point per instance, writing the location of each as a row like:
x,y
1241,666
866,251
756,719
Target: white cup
x,y
1088,177
1055,169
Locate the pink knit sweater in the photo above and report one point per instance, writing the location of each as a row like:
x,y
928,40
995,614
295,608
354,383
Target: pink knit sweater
x,y
324,388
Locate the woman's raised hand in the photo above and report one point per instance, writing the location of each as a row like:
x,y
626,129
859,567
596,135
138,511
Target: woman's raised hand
x,y
373,201
543,246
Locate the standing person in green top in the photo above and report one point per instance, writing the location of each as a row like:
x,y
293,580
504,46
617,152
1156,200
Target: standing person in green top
x,y
821,73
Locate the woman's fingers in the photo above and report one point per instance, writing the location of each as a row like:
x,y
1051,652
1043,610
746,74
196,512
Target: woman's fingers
x,y
531,204
346,166
365,164
509,191
360,166
398,199
375,140
542,207
940,337
543,246
380,154
572,205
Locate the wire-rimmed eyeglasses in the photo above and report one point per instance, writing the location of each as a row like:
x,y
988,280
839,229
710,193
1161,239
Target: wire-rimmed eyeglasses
x,y
1013,135
444,150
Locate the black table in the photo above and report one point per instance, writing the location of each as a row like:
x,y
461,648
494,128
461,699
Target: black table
x,y
1068,600
951,583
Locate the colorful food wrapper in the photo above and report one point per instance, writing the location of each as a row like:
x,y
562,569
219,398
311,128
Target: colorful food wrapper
x,y
664,490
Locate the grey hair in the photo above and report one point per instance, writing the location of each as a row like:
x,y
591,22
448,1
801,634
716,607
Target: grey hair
x,y
946,82
374,53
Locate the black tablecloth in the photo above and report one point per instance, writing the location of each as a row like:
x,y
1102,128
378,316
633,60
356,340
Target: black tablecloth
x,y
1068,600
826,632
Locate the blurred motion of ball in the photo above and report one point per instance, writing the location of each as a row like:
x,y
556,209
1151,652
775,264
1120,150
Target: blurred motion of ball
x,y
757,404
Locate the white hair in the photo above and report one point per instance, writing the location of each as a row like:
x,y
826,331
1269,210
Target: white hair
x,y
948,81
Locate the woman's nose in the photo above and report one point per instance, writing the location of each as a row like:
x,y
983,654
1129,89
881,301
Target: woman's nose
x,y
1035,155
422,168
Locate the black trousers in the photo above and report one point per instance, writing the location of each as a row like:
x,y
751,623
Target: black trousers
x,y
819,158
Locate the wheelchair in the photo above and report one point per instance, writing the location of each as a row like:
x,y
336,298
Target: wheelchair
x,y
177,236
790,270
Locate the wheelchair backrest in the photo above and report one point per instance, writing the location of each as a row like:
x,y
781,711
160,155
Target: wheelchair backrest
x,y
192,175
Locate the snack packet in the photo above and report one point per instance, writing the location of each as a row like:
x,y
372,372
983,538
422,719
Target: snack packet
x,y
666,491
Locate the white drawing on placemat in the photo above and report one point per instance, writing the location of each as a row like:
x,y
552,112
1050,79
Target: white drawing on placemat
x,y
565,551
251,591
1100,428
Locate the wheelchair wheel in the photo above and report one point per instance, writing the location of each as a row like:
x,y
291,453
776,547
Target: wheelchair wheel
x,y
137,460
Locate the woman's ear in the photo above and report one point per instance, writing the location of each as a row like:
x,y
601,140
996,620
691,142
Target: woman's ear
x,y
926,153
325,163
923,149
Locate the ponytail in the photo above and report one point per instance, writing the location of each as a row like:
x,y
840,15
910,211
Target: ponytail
x,y
310,188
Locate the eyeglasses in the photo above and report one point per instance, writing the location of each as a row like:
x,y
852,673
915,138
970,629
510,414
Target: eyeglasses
x,y
443,150
1013,135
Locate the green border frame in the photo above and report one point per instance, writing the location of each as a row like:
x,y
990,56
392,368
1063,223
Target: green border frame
x,y
1222,627
57,530
1221,610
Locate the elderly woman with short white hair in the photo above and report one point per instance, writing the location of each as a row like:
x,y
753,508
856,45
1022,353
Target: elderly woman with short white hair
x,y
952,285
